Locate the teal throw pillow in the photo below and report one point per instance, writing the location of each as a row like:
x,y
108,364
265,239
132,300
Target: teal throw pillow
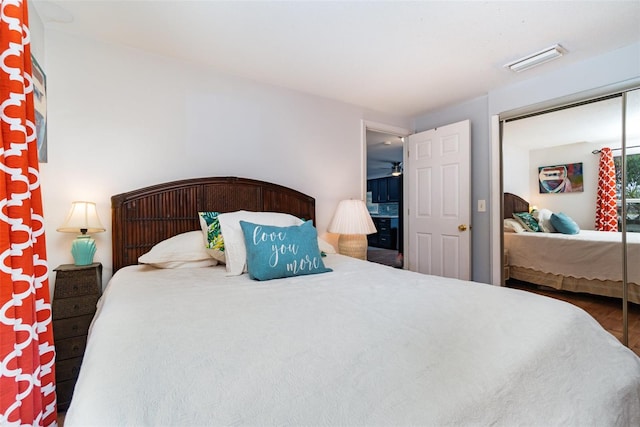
x,y
527,220
277,252
565,225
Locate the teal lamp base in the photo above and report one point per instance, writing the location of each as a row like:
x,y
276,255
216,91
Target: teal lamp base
x,y
83,249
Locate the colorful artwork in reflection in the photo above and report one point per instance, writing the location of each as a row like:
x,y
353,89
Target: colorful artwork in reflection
x,y
561,178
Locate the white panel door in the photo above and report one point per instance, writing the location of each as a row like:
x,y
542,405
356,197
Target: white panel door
x,y
439,201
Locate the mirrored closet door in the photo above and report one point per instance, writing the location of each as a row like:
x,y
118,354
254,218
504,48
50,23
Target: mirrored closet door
x,y
568,231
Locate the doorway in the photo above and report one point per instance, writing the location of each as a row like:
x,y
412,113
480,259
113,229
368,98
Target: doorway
x,y
384,192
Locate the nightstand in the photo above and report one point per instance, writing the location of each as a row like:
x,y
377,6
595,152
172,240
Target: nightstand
x,y
76,293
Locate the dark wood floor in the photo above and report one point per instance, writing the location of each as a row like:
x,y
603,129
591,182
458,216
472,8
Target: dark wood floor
x,y
384,256
607,311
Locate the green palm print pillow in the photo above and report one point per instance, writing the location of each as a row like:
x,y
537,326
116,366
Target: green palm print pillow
x,y
211,229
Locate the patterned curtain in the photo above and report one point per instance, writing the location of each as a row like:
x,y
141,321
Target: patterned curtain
x,y
27,355
606,209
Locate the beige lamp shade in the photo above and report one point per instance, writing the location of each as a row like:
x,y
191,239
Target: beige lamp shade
x,y
82,218
353,222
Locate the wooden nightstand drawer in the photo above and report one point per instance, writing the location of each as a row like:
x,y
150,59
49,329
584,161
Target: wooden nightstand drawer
x,y
69,307
68,369
70,347
75,281
72,326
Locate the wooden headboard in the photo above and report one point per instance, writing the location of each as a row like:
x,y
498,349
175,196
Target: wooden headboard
x,y
513,203
141,218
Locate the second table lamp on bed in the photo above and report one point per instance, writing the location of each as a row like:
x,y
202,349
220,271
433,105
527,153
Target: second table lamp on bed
x,y
353,222
82,219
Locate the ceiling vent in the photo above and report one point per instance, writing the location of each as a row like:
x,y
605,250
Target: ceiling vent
x,y
535,59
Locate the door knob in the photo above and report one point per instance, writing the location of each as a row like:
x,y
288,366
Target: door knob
x,y
462,227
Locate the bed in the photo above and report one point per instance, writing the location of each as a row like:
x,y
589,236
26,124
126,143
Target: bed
x,y
587,262
362,344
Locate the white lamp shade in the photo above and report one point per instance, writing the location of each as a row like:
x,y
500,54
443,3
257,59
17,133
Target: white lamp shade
x,y
352,217
82,218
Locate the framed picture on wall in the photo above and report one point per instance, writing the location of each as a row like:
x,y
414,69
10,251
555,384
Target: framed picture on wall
x,y
40,106
561,178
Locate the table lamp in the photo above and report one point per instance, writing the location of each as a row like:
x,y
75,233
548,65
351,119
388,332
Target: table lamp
x,y
83,219
353,222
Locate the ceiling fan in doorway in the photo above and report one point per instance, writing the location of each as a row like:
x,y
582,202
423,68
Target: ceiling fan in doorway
x,y
381,168
396,169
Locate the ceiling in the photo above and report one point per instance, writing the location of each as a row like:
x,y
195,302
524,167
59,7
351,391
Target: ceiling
x,y
396,57
383,150
597,122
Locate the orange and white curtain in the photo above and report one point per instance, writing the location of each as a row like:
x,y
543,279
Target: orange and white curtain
x,y
27,355
606,204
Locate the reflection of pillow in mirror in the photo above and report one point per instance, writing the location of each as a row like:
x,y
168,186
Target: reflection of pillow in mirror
x,y
513,226
543,216
564,224
527,220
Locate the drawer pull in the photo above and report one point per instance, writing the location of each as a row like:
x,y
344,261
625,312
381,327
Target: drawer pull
x,y
75,287
75,348
74,328
76,307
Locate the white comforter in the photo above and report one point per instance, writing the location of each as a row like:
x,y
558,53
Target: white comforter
x,y
363,345
589,254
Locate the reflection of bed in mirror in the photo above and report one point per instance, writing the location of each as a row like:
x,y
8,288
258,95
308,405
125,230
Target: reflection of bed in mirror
x,y
587,262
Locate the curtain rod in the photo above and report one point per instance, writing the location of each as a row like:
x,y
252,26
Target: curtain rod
x,y
614,149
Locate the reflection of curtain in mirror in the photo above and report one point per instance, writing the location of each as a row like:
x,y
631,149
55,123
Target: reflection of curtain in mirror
x,y
27,372
606,207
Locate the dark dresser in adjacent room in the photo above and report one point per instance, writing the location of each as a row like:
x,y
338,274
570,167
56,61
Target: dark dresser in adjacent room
x,y
387,235
77,290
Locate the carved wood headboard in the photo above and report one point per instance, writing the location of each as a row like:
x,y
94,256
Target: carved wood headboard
x,y
513,203
141,218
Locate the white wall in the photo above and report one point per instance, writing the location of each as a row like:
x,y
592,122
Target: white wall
x,y
36,28
516,161
120,119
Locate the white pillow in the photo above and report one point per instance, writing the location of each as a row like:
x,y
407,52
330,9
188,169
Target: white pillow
x,y
543,216
234,247
180,251
513,226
